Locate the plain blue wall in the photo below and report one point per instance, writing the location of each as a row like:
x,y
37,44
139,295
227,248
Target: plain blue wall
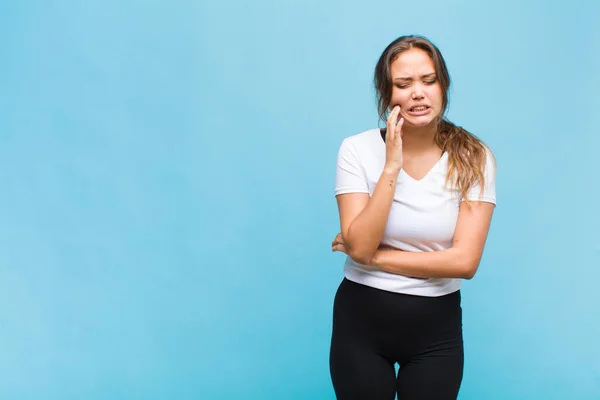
x,y
167,209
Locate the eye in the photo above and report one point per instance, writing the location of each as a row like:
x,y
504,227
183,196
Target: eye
x,y
430,82
401,86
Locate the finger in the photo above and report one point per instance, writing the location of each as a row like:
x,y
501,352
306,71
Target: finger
x,y
336,242
397,108
389,117
339,247
399,127
390,129
393,122
393,115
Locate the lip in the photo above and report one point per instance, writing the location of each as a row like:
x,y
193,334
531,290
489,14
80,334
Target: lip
x,y
418,113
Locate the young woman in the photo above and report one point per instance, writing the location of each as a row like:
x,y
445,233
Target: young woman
x,y
415,204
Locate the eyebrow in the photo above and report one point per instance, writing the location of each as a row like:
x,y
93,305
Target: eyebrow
x,y
422,76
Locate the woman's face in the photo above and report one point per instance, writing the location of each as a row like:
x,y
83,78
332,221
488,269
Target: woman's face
x,y
415,88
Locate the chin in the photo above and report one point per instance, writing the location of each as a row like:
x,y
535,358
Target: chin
x,y
420,122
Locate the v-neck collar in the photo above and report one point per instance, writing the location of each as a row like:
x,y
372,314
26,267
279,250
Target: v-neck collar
x,y
382,132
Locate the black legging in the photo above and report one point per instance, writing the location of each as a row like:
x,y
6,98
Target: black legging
x,y
373,329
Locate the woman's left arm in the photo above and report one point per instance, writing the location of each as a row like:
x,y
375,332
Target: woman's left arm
x,y
460,261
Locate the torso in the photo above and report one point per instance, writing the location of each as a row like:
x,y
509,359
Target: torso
x,y
422,216
423,213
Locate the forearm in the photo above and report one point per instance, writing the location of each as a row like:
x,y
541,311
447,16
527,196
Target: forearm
x,y
450,263
366,230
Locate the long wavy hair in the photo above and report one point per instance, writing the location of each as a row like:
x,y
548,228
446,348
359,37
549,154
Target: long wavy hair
x,y
466,153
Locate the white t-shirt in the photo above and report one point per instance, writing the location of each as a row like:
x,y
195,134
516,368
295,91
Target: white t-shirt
x,y
422,217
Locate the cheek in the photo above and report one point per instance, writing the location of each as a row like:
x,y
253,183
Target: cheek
x,y
399,97
435,95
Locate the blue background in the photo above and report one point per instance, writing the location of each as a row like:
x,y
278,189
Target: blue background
x,y
166,192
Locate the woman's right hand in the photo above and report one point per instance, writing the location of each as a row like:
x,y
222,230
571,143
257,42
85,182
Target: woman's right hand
x,y
393,141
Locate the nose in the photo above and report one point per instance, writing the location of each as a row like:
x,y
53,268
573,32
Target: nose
x,y
418,92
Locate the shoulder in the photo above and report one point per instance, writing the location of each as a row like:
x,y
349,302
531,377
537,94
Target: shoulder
x,y
485,159
362,140
365,136
488,151
490,159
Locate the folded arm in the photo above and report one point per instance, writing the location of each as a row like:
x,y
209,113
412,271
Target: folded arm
x,y
363,218
460,261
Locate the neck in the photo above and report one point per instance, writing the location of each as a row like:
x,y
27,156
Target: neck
x,y
419,139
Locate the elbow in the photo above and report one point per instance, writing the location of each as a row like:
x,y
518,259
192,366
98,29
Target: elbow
x,y
360,252
469,270
469,274
465,263
361,256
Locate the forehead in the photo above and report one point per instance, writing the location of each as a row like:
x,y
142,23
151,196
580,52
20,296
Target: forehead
x,y
412,62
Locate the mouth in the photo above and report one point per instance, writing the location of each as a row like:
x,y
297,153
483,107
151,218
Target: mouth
x,y
419,110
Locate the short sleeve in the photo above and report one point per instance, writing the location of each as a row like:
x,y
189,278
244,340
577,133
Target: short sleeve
x,y
350,176
489,174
